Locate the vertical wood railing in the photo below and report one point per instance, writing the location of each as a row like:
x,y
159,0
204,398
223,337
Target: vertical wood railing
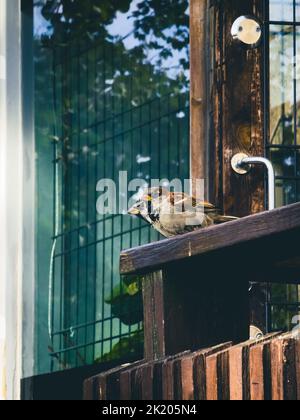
x,y
267,369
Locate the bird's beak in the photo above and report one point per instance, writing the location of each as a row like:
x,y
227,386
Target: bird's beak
x,y
134,211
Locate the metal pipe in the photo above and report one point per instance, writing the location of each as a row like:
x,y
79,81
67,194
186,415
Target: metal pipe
x,y
246,161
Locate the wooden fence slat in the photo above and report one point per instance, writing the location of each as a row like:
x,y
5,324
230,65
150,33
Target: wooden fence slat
x,y
107,385
160,380
157,381
89,389
136,384
289,370
142,382
223,376
168,383
236,377
276,352
200,377
255,370
187,380
211,378
147,383
256,363
199,374
217,377
102,396
125,386
267,371
154,320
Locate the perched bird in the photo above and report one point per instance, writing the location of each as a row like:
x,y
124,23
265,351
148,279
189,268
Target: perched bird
x,y
172,213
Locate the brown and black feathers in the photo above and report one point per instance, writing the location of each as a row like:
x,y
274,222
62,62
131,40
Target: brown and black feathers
x,y
174,214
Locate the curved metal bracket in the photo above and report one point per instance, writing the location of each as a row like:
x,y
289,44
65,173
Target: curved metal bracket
x,y
242,164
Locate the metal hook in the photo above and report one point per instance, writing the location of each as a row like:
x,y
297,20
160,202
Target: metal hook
x,y
242,163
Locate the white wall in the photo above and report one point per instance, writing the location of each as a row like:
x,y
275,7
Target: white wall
x,y
11,168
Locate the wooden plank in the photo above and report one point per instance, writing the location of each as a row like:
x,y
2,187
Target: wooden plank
x,y
89,389
199,374
211,378
189,374
227,372
160,379
273,375
289,370
284,369
187,379
181,377
237,109
267,372
236,373
154,328
125,386
141,382
147,382
257,389
168,380
198,92
108,384
276,351
260,230
223,376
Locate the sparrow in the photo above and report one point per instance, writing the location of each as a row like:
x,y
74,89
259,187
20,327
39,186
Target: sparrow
x,y
174,213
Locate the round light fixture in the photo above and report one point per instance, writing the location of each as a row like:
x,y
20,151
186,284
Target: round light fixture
x,y
247,29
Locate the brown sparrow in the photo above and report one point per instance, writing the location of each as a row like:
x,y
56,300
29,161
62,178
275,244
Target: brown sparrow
x,y
174,214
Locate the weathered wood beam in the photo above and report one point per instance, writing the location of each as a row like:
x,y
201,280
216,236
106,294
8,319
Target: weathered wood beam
x,y
199,56
276,231
237,110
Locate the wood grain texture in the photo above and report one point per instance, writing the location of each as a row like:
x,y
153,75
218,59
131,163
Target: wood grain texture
x,y
147,382
237,110
154,328
142,383
211,378
187,381
289,370
199,44
270,229
200,385
256,362
108,384
239,367
254,370
276,350
125,386
89,389
236,378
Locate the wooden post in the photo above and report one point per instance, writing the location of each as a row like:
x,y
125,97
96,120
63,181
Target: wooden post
x,y
196,312
153,316
237,110
199,84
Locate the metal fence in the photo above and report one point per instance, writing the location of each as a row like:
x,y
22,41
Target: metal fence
x,y
113,108
282,59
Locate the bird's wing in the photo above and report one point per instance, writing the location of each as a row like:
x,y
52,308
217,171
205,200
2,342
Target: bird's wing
x,y
186,203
